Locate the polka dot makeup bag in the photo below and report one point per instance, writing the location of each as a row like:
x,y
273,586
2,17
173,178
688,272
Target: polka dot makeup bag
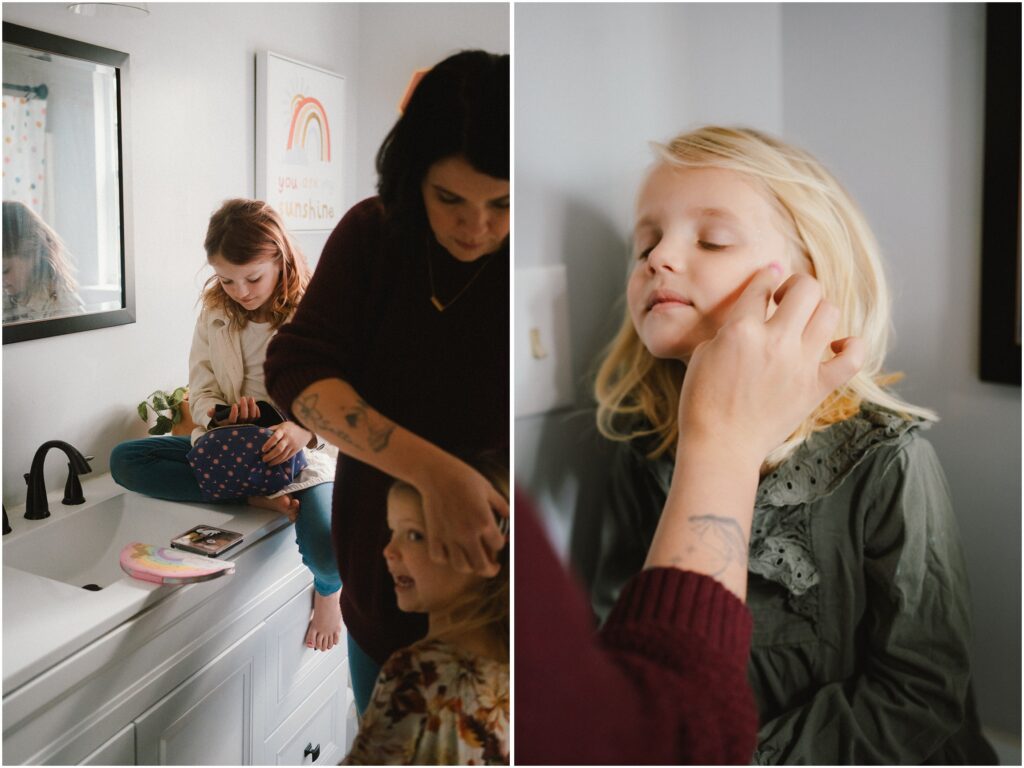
x,y
228,464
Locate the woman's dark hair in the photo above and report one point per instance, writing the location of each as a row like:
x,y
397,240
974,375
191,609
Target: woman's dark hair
x,y
460,107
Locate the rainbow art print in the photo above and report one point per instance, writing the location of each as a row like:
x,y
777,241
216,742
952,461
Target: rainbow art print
x,y
300,122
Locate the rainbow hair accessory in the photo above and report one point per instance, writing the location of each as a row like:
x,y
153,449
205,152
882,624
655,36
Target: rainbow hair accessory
x,y
163,565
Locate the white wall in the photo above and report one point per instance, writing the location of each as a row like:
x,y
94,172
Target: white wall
x,y
396,39
890,98
193,145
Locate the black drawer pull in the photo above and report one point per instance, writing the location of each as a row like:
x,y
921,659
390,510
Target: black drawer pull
x,y
311,750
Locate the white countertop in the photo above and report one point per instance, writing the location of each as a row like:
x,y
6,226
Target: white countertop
x,y
46,621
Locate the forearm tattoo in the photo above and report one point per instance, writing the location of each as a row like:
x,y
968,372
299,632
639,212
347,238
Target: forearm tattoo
x,y
359,425
720,537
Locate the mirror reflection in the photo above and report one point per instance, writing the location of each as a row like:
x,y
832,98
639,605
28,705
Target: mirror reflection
x,y
39,275
62,227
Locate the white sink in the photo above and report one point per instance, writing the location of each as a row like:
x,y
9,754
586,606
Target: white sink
x,y
47,616
82,547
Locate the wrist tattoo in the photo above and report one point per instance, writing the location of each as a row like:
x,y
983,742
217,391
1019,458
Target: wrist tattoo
x,y
720,537
366,429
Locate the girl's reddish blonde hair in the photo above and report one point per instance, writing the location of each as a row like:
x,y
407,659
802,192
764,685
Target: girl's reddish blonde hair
x,y
243,231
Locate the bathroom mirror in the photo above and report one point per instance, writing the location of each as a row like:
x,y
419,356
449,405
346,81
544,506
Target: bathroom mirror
x,y
67,258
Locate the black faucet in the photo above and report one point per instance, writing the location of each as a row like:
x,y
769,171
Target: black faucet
x,y
36,507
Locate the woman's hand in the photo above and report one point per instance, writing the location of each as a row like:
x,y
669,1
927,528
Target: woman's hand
x,y
288,439
242,412
459,505
756,381
745,391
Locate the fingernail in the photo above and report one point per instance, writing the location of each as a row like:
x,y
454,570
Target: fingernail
x,y
776,266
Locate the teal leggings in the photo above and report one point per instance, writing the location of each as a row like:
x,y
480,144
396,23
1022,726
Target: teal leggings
x,y
363,673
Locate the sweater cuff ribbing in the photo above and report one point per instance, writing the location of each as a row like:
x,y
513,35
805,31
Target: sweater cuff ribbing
x,y
688,602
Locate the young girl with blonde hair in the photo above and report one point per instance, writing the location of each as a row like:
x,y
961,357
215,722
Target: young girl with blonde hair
x,y
444,699
857,582
259,277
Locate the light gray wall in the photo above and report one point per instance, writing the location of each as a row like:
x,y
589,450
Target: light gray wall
x,y
193,144
891,98
888,97
594,84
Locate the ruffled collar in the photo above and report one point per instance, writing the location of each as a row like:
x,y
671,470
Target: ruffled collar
x,y
821,463
780,537
781,549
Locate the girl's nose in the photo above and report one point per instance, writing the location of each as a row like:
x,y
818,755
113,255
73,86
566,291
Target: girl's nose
x,y
389,551
665,257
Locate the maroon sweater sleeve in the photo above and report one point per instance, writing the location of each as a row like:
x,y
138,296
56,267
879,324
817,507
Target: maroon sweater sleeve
x,y
664,681
322,340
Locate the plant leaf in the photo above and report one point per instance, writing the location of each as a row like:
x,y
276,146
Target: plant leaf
x,y
160,402
143,412
163,425
177,416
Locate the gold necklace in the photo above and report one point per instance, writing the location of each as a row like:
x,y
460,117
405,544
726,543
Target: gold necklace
x,y
442,306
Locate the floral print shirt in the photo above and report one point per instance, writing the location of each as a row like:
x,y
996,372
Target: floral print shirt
x,y
435,704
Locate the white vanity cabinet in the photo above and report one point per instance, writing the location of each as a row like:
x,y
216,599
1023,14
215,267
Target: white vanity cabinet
x,y
215,673
208,719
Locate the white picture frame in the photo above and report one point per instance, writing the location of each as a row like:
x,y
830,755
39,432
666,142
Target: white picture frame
x,y
300,119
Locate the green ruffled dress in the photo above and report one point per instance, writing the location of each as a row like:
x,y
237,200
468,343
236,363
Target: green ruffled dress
x,y
859,593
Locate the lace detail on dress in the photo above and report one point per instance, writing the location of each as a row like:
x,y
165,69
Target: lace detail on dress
x,y
824,460
780,548
780,538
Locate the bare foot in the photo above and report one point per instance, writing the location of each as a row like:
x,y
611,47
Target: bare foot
x,y
284,505
325,625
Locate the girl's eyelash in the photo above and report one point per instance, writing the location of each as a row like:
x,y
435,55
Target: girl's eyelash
x,y
711,246
644,253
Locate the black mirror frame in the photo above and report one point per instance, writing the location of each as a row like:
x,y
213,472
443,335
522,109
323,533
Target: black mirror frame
x,y
43,41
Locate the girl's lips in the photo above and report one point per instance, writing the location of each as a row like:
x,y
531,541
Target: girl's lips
x,y
403,582
667,298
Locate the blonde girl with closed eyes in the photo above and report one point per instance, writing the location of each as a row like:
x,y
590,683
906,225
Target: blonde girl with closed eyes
x,y
857,582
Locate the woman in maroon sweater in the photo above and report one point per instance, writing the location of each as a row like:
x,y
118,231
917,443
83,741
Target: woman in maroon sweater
x,y
664,681
398,353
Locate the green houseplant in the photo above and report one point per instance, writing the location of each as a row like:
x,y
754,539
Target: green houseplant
x,y
171,409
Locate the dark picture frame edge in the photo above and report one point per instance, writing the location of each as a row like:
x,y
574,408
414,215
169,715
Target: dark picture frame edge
x,y
1001,273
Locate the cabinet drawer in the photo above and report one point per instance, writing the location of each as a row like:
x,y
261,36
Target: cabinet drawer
x,y
293,670
315,732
